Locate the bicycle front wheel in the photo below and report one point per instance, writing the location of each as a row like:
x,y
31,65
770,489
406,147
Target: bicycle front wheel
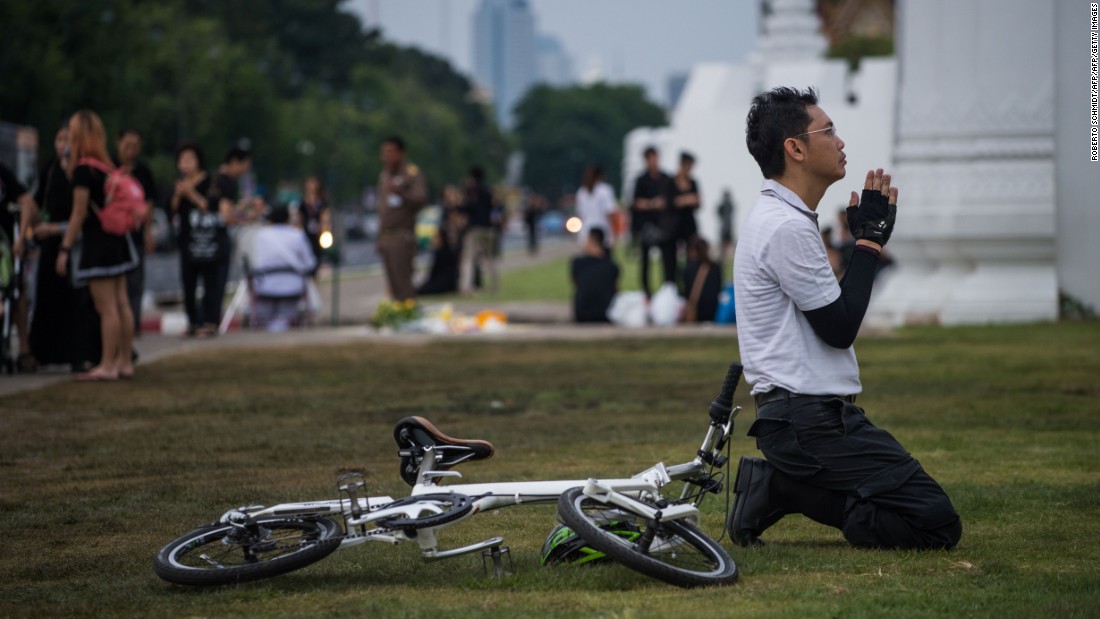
x,y
674,551
220,554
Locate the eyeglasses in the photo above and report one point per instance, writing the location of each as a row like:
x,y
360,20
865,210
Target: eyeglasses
x,y
830,130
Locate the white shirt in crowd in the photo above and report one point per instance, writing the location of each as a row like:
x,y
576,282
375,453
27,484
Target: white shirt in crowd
x,y
280,260
595,208
781,269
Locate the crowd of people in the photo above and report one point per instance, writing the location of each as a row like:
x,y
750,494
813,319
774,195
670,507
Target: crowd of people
x,y
89,282
89,285
467,244
662,218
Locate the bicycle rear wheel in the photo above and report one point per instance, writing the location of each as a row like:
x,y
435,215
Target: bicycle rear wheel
x,y
674,551
221,554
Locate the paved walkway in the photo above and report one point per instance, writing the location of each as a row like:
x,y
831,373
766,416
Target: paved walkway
x,y
359,293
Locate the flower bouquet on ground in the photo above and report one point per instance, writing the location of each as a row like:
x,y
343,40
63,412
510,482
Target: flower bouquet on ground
x,y
395,315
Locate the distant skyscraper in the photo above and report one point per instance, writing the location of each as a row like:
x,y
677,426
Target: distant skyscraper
x,y
555,66
504,53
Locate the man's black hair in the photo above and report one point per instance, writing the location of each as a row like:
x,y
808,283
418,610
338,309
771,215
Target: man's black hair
x,y
686,157
596,234
477,173
237,154
775,116
127,130
278,214
397,141
194,148
649,150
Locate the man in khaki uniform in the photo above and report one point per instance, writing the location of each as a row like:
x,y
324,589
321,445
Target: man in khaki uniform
x,y
402,192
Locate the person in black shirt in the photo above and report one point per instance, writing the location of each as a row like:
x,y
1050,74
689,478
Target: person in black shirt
x,y
105,258
595,280
203,240
446,248
683,203
477,244
702,281
129,149
14,193
65,327
649,220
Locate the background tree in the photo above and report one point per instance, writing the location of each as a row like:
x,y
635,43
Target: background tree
x,y
562,130
301,80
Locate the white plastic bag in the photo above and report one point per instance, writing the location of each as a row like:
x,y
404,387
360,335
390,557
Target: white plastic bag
x,y
627,309
665,307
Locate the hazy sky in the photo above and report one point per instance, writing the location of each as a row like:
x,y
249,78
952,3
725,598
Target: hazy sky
x,y
627,40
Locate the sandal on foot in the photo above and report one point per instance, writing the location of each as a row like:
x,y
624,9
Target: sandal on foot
x,y
93,376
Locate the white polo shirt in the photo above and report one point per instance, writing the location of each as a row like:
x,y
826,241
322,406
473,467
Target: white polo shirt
x,y
595,208
285,252
781,269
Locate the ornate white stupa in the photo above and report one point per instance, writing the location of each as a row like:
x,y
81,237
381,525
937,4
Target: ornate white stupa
x,y
792,31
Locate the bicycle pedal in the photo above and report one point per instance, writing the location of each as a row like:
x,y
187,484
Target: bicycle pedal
x,y
496,554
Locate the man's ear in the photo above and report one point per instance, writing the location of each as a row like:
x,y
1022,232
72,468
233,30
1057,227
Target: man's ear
x,y
794,149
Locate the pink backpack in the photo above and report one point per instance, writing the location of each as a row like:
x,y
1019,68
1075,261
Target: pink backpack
x,y
125,208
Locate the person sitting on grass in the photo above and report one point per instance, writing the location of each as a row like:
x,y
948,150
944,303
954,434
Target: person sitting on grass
x,y
595,280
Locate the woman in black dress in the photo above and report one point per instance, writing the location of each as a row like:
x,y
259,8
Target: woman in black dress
x,y
62,331
104,258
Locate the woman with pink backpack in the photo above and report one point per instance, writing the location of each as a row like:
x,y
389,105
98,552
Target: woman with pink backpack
x,y
105,256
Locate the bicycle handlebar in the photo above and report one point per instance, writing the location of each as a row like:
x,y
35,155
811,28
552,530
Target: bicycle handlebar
x,y
722,405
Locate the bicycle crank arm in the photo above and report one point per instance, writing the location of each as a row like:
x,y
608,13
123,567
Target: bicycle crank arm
x,y
434,554
606,494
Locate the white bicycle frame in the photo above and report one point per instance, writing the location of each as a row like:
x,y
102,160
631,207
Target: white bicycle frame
x,y
360,512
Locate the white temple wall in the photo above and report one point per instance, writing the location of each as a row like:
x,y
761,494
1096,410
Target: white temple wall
x,y
1077,179
974,159
983,120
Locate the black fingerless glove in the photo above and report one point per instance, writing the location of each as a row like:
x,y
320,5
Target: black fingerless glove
x,y
873,219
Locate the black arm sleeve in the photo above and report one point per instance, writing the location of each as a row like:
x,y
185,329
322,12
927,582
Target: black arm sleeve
x,y
838,322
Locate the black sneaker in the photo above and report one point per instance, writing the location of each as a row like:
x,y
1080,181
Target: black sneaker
x,y
752,508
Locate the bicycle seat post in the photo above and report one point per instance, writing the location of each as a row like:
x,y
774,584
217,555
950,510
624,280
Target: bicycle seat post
x,y
348,486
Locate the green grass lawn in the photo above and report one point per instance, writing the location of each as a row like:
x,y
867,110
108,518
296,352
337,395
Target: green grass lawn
x,y
549,281
96,478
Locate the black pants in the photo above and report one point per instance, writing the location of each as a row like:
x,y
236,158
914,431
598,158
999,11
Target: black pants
x,y
829,443
213,275
668,263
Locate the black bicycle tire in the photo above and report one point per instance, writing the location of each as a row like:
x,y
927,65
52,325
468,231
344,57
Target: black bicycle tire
x,y
460,506
724,571
167,564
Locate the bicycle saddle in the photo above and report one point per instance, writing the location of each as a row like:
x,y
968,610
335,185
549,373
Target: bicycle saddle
x,y
415,434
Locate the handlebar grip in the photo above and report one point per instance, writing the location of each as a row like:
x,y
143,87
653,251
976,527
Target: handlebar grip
x,y
721,406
